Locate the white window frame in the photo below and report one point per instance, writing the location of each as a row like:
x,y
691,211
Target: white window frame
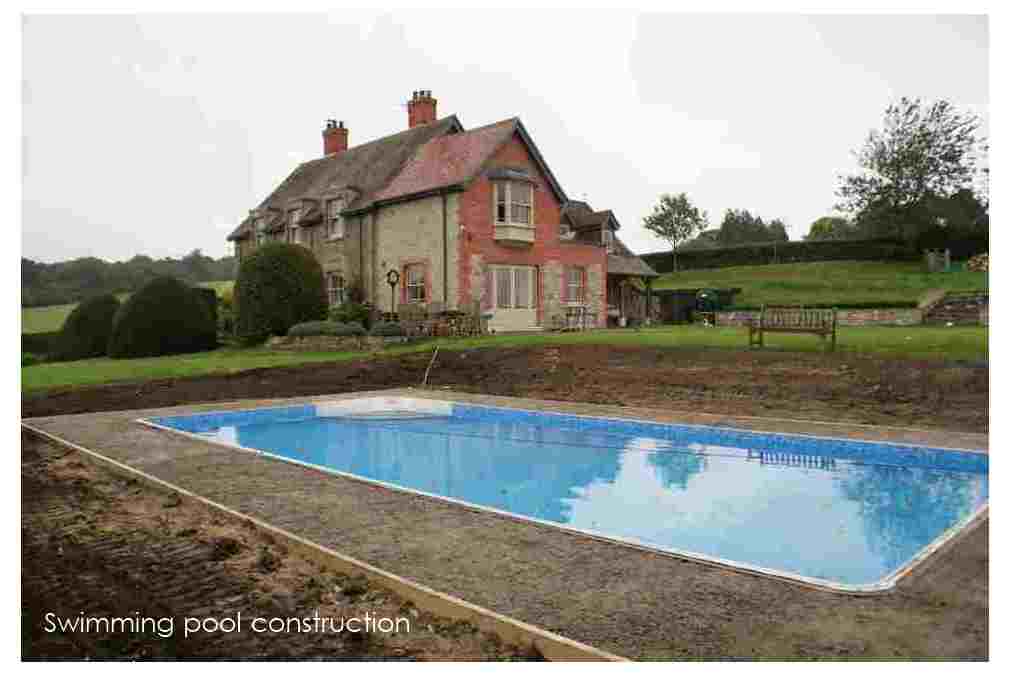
x,y
510,273
335,227
579,298
421,283
335,290
504,190
291,227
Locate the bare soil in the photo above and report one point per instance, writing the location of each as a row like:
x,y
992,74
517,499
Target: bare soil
x,y
744,383
108,547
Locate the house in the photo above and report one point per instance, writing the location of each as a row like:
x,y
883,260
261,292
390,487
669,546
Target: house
x,y
467,218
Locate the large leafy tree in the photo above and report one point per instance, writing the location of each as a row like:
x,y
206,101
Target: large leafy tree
x,y
740,226
832,228
924,152
676,220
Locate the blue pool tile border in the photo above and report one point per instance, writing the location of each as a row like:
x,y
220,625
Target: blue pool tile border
x,y
197,423
863,451
679,434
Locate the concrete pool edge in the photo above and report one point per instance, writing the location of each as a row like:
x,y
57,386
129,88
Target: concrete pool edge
x,y
551,646
945,540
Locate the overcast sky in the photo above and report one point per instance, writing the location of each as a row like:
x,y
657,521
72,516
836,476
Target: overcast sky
x,y
156,134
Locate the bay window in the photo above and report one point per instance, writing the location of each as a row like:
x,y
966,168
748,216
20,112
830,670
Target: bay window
x,y
514,202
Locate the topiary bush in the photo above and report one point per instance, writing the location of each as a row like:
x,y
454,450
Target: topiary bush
x,y
278,286
44,344
87,329
326,328
351,312
165,317
387,329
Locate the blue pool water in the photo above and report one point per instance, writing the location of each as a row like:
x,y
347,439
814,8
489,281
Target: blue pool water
x,y
850,513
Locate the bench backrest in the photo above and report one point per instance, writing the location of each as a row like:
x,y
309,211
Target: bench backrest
x,y
799,318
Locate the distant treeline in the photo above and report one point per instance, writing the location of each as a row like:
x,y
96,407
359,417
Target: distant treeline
x,y
49,284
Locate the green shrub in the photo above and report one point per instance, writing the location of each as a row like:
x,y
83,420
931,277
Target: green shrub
x,y
165,317
28,359
87,329
210,298
351,312
279,285
44,343
785,252
326,328
387,329
864,305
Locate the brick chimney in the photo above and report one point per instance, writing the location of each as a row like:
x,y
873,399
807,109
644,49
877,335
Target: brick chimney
x,y
335,137
421,108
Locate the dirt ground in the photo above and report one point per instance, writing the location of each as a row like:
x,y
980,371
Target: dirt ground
x,y
93,542
78,526
786,385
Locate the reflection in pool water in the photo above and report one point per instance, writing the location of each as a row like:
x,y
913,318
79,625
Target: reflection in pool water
x,y
816,515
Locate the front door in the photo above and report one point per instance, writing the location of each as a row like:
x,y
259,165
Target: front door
x,y
514,298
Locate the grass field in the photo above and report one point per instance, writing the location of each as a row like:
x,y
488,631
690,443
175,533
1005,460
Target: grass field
x,y
928,343
825,282
51,318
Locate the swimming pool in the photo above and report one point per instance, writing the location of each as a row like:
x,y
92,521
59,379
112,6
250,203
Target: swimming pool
x,y
844,514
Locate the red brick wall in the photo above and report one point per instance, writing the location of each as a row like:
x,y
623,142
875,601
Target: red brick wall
x,y
478,236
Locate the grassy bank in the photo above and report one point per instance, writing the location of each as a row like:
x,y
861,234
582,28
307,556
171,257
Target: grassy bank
x,y
927,343
825,283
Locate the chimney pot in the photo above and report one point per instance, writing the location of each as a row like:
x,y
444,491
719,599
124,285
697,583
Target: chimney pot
x,y
421,108
335,137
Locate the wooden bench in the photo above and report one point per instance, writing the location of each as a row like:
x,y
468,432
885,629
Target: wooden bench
x,y
818,321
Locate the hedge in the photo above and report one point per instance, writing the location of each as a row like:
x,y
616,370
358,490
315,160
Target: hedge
x,y
387,329
279,285
43,343
785,252
165,317
864,305
326,328
87,329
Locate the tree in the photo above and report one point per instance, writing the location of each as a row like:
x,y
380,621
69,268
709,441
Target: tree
x,y
164,317
279,285
832,228
87,329
676,220
924,151
741,227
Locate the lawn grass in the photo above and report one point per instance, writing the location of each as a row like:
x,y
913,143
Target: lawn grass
x,y
51,318
825,282
926,343
44,318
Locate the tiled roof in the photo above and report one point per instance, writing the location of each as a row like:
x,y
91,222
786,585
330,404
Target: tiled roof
x,y
367,169
448,160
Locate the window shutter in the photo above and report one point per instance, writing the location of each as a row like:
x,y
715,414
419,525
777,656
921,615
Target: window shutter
x,y
565,285
583,287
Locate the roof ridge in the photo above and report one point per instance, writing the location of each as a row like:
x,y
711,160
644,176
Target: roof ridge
x,y
381,139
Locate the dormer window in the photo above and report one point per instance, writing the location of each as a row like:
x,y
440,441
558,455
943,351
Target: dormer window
x,y
261,231
609,241
565,231
334,220
514,202
292,229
